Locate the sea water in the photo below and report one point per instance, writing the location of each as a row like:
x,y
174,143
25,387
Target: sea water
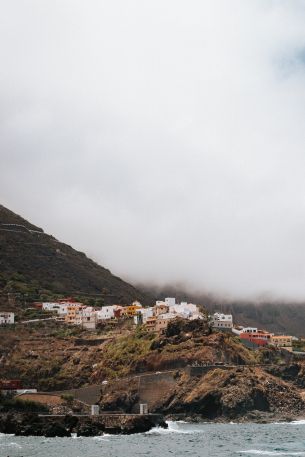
x,y
180,439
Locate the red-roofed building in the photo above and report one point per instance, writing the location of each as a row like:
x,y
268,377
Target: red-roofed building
x,y
260,338
10,384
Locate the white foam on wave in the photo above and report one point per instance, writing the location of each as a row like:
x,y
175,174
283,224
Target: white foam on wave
x,y
272,453
173,427
101,438
297,422
12,444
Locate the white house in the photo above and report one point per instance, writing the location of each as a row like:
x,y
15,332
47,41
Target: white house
x,y
60,308
143,314
222,321
7,318
71,304
107,312
170,301
239,330
184,309
51,306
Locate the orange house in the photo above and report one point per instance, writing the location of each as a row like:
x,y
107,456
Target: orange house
x,y
72,312
131,310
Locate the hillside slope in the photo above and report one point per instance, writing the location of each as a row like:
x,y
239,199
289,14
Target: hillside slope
x,y
32,261
177,374
79,357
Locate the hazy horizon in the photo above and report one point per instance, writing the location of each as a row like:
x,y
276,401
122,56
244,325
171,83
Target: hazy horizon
x,y
163,139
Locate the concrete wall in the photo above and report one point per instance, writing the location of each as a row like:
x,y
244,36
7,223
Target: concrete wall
x,y
152,388
89,395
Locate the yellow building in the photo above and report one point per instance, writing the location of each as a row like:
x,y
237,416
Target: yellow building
x,y
282,341
131,310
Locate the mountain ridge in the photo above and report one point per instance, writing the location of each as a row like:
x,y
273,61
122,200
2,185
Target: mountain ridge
x,y
28,255
35,263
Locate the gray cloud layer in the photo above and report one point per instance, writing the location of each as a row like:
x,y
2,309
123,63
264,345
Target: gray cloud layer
x,y
165,138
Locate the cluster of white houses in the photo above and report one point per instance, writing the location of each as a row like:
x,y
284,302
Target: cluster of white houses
x,y
154,318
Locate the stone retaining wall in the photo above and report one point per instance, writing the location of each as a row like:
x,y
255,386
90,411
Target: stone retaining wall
x,y
152,388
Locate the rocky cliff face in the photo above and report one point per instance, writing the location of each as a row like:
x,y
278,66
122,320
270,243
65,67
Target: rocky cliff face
x,y
232,394
236,393
238,389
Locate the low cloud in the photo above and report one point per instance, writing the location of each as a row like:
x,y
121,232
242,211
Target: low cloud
x,y
165,139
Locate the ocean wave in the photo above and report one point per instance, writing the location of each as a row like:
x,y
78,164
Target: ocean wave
x,y
12,444
175,427
296,422
272,453
101,438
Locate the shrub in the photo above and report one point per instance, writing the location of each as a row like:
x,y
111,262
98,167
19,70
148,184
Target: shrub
x,y
17,404
67,397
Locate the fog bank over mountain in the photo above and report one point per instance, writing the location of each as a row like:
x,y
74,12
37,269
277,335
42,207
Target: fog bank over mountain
x,y
165,139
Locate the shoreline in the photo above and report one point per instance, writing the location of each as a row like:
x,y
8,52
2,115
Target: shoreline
x,y
254,417
90,426
32,424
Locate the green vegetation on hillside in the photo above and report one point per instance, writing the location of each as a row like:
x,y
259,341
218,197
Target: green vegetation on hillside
x,y
122,354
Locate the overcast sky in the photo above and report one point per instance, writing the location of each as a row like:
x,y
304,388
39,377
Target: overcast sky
x,y
164,138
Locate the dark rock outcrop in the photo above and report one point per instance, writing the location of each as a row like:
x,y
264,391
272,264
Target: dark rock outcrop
x,y
52,426
89,429
180,327
56,429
